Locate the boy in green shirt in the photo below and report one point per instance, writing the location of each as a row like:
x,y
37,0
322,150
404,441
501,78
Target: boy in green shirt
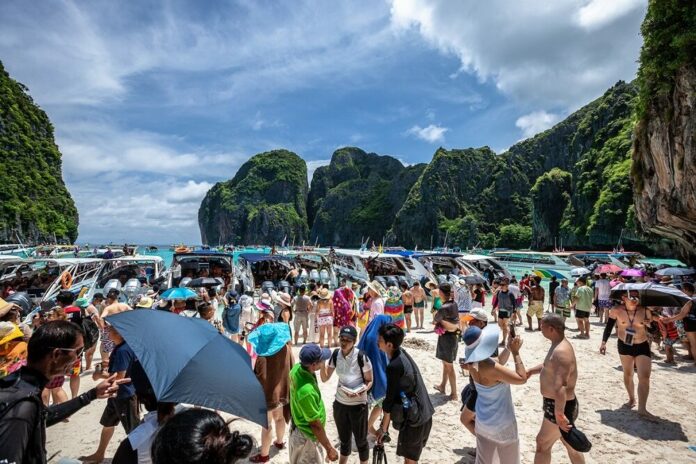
x,y
582,300
307,431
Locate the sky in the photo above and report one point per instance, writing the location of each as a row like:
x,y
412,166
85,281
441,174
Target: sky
x,y
153,102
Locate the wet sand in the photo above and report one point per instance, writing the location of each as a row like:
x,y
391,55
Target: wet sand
x,y
618,435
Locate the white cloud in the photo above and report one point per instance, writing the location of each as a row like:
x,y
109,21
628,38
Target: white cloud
x,y
598,13
191,192
538,52
535,122
431,134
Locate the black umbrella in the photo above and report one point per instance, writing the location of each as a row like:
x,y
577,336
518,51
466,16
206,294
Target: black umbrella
x,y
474,280
204,282
651,294
676,271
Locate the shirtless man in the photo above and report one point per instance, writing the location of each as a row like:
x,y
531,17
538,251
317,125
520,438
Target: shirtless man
x,y
418,303
633,345
407,298
559,375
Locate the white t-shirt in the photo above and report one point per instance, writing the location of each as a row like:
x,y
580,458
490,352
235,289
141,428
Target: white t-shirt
x,y
376,308
348,371
603,289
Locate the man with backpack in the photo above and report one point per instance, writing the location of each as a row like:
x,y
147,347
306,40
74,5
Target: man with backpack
x,y
350,406
53,349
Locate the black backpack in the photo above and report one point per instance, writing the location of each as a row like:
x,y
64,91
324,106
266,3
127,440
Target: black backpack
x,y
361,361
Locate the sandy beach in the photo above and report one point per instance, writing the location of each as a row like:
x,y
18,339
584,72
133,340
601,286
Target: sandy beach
x,y
618,435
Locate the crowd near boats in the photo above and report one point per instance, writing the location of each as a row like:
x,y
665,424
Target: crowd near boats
x,y
246,307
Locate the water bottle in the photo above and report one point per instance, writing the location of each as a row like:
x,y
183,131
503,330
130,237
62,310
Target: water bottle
x,y
405,402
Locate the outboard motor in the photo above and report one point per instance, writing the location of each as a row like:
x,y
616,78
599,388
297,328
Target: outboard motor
x,y
111,284
22,300
132,287
314,275
324,276
267,287
382,281
284,286
392,281
185,282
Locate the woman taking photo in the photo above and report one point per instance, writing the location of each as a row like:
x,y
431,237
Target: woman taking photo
x,y
497,440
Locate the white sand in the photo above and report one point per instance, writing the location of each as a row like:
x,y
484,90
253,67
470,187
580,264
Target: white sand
x,y
618,435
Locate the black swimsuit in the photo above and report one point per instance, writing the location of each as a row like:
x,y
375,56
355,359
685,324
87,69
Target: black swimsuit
x,y
635,350
571,410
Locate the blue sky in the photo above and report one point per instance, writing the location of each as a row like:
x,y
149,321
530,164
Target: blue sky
x,y
155,101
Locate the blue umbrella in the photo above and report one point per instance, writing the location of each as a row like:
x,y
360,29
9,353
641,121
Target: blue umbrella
x,y
676,271
268,339
179,293
188,361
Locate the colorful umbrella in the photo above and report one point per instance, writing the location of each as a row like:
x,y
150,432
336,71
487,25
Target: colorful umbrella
x,y
632,272
179,293
607,268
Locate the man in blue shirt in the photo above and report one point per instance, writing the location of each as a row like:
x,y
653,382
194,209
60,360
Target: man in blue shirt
x,y
123,408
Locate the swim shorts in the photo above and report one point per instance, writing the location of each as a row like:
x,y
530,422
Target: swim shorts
x,y
639,349
604,304
536,308
503,314
562,311
580,314
571,410
408,309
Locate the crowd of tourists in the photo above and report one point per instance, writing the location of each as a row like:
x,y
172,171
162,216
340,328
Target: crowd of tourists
x,y
353,333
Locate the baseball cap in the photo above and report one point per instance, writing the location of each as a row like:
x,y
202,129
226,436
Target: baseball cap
x,y
312,353
348,332
478,314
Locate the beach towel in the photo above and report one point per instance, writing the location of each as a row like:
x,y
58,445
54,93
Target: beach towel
x,y
368,345
394,308
343,307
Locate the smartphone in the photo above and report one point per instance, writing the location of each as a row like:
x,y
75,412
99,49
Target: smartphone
x,y
512,330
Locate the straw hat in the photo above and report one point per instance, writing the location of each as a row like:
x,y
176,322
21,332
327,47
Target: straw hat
x,y
9,332
285,299
324,294
480,343
145,302
376,287
5,307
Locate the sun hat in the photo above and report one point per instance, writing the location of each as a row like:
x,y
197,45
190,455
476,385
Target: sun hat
x,y
349,332
270,338
5,307
480,343
82,303
393,293
9,332
430,285
376,287
263,305
324,294
477,313
145,302
311,353
285,299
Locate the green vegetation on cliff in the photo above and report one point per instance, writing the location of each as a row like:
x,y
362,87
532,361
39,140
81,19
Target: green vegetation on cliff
x,y
357,196
263,203
34,201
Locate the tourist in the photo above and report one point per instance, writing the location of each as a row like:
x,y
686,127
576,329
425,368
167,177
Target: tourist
x,y
65,300
283,308
370,346
53,349
536,303
446,321
376,292
301,305
363,317
582,302
92,313
308,439
519,299
688,316
478,296
343,310
407,299
272,368
462,298
13,347
206,311
601,295
124,407
418,303
435,294
633,347
562,300
324,316
505,303
350,406
404,386
553,285
231,316
394,306
248,316
558,376
497,439
199,436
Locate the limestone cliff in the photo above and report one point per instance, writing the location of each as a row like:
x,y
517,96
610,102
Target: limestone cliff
x,y
664,148
34,202
357,196
263,203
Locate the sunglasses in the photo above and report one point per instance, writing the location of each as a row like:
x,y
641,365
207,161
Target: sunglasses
x,y
346,340
78,351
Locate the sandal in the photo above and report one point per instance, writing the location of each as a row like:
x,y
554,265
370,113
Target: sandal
x,y
280,445
260,458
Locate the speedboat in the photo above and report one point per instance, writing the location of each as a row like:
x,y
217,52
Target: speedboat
x,y
442,265
543,264
389,269
13,249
